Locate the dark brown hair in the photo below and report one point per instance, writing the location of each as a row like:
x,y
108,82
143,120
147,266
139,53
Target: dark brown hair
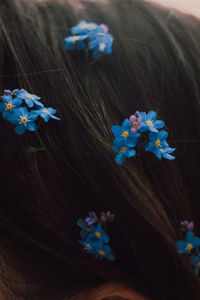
x,y
155,64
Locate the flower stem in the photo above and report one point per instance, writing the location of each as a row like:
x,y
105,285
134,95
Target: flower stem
x,y
43,147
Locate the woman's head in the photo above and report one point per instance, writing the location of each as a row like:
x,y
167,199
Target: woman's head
x,y
154,65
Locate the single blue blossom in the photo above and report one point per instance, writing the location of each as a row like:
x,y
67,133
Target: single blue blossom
x,y
75,42
23,119
159,146
83,28
149,122
189,244
86,229
47,113
104,251
123,153
123,135
195,261
101,43
9,105
91,245
92,218
98,234
30,99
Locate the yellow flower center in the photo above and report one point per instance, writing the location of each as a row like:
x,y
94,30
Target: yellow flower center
x,y
125,134
98,234
75,38
123,149
30,96
102,47
9,106
158,143
101,252
189,247
23,120
149,123
87,247
135,124
84,26
45,111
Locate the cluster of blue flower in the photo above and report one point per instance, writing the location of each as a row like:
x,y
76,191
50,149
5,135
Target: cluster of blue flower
x,y
14,111
126,136
94,239
189,245
100,41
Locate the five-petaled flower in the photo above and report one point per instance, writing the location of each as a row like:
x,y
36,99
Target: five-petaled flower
x,y
190,243
123,135
9,105
159,146
101,43
195,261
47,113
149,122
23,119
135,121
30,99
83,28
98,234
75,42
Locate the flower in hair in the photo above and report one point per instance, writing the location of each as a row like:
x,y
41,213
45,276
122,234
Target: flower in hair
x,y
30,99
159,146
149,122
123,152
186,226
94,239
189,244
75,42
9,92
23,119
135,121
47,112
9,105
83,28
195,261
123,135
101,44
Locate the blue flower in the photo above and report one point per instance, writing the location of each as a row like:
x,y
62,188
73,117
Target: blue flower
x,y
30,99
12,93
47,113
23,119
104,251
85,228
190,243
98,234
123,153
9,105
83,28
159,146
195,261
149,122
91,245
75,42
101,42
123,135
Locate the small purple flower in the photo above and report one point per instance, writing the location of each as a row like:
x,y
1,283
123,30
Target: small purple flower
x,y
135,121
105,27
106,217
92,218
187,226
190,243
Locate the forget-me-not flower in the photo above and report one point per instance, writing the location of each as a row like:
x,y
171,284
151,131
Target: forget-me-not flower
x,y
75,42
47,112
149,122
23,119
30,99
123,135
83,28
159,146
135,121
92,218
190,243
98,233
8,105
123,153
101,42
195,261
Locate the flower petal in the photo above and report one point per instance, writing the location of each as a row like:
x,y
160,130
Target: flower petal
x,y
120,158
130,153
31,126
116,130
152,115
20,129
